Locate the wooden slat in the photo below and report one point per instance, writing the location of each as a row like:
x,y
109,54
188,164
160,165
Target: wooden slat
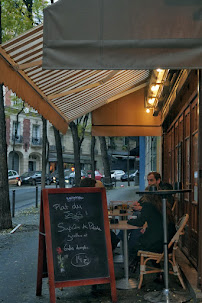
x,y
28,65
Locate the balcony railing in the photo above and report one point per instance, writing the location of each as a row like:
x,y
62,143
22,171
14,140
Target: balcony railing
x,y
36,141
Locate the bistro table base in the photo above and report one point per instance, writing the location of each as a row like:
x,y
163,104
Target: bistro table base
x,y
165,297
126,283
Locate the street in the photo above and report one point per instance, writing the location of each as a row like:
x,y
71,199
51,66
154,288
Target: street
x,y
25,196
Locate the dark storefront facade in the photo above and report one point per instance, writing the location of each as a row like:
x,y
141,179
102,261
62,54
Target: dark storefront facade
x,y
181,161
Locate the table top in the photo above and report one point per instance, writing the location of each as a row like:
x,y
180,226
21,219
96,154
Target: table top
x,y
114,214
163,192
122,225
121,201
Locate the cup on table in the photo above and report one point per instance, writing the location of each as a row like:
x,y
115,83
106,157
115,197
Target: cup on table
x,y
111,206
132,217
124,206
116,212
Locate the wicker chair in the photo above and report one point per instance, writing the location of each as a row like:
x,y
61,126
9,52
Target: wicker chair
x,y
146,256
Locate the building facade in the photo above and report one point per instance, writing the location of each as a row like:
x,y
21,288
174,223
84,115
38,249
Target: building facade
x,y
24,143
24,140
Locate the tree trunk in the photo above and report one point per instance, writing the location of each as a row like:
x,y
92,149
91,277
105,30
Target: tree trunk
x,y
92,151
29,5
5,213
59,158
76,144
105,160
15,135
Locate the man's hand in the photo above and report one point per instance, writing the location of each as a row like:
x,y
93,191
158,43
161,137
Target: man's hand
x,y
143,228
136,206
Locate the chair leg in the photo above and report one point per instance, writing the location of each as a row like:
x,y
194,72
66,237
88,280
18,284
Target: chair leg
x,y
181,280
142,269
176,271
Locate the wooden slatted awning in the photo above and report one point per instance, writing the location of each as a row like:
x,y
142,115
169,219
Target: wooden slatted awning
x,y
61,96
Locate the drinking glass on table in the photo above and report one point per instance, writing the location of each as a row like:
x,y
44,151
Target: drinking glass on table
x,y
111,206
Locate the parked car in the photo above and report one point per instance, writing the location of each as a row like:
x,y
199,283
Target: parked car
x,y
55,176
98,175
33,178
13,177
71,177
132,175
116,174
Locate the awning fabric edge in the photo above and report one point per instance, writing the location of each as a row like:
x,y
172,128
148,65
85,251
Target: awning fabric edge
x,y
14,81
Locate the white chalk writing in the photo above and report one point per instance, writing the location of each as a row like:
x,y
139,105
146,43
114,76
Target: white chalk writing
x,y
84,247
76,206
68,247
74,198
60,207
69,228
70,215
80,260
72,237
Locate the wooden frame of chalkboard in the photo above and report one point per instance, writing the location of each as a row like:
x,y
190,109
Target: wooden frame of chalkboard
x,y
74,240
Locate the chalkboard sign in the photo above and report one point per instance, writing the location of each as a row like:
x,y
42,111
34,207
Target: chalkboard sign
x,y
74,223
78,236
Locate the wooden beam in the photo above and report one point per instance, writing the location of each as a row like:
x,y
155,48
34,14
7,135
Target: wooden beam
x,y
82,88
73,91
130,91
28,65
33,96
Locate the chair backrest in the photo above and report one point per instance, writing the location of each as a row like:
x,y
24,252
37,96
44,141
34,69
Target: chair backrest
x,y
174,204
180,229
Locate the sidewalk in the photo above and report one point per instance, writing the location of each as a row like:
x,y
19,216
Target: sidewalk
x,y
18,270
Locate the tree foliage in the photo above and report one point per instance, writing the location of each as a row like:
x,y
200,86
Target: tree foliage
x,y
19,16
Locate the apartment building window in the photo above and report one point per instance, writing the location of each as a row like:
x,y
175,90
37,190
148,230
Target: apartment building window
x,y
36,140
16,132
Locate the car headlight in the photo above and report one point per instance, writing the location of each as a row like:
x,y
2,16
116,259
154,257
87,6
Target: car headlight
x,y
67,181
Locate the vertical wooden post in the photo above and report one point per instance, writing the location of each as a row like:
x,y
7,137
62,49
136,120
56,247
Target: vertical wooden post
x,y
200,181
41,251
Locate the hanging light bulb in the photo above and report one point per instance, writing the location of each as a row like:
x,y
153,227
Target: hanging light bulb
x,y
151,101
159,70
154,88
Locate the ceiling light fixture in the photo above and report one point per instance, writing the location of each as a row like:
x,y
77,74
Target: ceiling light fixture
x,y
154,88
151,101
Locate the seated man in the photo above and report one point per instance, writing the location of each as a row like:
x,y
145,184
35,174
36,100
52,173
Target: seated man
x,y
153,237
153,179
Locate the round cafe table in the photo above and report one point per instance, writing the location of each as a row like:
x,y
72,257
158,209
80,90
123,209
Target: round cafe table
x,y
116,213
165,296
125,283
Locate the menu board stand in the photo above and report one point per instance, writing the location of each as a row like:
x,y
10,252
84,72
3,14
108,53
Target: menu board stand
x,y
74,240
